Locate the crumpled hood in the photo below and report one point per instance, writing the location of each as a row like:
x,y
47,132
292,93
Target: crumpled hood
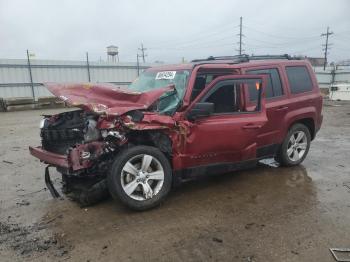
x,y
104,98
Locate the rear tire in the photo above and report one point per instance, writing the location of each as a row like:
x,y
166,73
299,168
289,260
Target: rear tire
x,y
295,146
140,177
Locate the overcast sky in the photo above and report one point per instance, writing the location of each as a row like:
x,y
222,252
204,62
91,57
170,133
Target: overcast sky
x,y
66,29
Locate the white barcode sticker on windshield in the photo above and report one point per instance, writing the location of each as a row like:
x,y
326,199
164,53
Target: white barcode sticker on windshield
x,y
166,75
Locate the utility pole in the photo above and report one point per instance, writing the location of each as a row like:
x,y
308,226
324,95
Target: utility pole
x,y
30,74
326,47
138,64
88,66
240,36
143,55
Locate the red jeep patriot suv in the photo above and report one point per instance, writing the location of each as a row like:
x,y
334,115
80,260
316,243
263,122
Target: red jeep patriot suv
x,y
207,117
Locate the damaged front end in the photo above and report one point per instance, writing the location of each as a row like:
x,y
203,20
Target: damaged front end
x,y
82,144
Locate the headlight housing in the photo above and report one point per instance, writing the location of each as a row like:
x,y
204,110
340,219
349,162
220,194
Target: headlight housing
x,y
42,123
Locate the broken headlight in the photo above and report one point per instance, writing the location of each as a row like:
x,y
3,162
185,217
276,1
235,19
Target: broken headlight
x,y
91,133
42,123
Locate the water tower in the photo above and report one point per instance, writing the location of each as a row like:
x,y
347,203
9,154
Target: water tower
x,y
112,53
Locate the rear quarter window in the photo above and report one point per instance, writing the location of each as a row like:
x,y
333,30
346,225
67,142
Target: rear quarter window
x,y
273,87
299,79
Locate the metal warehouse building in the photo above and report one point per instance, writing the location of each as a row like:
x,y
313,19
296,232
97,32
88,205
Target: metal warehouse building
x,y
18,78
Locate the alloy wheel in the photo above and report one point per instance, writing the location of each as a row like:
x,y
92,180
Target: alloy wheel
x,y
297,146
142,177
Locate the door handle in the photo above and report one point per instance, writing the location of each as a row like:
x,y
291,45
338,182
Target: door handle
x,y
251,126
281,108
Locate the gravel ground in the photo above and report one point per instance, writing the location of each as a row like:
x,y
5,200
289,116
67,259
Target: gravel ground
x,y
264,214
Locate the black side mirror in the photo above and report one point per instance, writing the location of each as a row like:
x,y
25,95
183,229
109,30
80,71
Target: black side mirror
x,y
201,110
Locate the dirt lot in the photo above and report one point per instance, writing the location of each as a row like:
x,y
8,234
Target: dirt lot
x,y
264,214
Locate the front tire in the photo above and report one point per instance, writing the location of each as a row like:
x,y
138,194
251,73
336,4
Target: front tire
x,y
295,146
140,177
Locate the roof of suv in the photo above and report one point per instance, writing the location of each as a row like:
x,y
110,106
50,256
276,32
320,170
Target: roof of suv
x,y
235,62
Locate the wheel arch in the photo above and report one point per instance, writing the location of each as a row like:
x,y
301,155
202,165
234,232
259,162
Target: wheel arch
x,y
155,138
305,116
309,122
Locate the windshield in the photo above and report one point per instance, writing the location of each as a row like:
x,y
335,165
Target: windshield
x,y
150,80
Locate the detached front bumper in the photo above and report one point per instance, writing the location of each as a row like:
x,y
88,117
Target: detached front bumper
x,y
80,157
49,157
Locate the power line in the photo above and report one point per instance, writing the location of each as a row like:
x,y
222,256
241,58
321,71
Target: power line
x,y
279,30
278,35
195,45
143,55
267,41
344,38
196,37
282,44
326,46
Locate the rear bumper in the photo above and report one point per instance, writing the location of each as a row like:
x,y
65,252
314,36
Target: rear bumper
x,y
49,157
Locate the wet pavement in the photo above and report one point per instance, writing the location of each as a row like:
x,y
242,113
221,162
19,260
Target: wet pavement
x,y
263,214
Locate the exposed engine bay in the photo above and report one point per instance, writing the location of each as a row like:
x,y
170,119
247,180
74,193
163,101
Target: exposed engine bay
x,y
87,148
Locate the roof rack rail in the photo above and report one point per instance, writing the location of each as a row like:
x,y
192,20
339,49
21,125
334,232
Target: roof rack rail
x,y
264,57
214,58
245,58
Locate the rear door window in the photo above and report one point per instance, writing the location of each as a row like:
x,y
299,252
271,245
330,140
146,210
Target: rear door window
x,y
273,87
299,79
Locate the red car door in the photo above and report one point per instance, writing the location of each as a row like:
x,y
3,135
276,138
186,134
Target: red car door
x,y
276,108
228,135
